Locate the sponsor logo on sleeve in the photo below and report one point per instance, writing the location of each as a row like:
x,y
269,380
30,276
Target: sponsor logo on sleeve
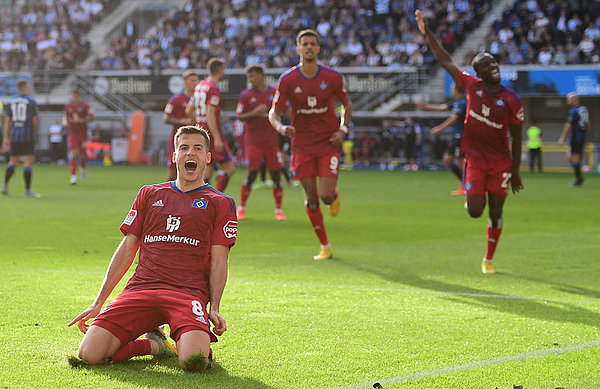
x,y
521,114
130,217
230,229
201,204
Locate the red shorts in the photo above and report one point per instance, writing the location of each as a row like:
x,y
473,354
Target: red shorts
x,y
481,177
305,165
271,155
133,313
76,142
223,156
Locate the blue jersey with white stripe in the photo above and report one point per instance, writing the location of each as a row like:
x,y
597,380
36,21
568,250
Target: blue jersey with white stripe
x,y
21,110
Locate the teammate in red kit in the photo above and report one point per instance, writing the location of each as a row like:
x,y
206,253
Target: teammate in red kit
x,y
175,114
76,117
183,230
493,111
261,139
316,133
205,108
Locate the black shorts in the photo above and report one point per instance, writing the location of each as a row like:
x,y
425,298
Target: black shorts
x,y
576,148
386,145
21,148
454,148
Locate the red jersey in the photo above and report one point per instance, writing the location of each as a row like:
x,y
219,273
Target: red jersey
x,y
177,230
81,110
207,93
176,108
259,131
313,107
489,115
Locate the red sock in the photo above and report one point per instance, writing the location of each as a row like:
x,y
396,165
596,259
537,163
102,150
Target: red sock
x,y
82,163
493,236
73,165
222,181
278,195
132,349
316,219
244,194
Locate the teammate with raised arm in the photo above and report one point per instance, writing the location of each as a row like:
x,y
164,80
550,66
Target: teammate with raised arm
x,y
174,113
311,89
261,139
493,111
205,108
183,230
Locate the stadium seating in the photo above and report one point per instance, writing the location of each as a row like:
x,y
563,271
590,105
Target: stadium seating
x,y
551,32
260,31
47,35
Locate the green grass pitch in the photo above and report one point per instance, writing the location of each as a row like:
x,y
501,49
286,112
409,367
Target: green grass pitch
x,y
403,303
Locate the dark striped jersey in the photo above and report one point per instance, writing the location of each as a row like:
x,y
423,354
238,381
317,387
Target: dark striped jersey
x,y
579,118
21,110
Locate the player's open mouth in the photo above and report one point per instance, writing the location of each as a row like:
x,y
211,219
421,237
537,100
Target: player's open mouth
x,y
190,166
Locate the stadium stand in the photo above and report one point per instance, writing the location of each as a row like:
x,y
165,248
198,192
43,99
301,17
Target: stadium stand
x,y
554,32
47,35
365,33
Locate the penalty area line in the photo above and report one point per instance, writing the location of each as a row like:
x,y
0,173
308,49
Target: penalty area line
x,y
478,364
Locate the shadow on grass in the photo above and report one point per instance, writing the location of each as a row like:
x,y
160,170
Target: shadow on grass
x,y
554,311
166,373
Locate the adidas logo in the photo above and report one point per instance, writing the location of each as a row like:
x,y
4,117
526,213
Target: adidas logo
x,y
297,90
158,203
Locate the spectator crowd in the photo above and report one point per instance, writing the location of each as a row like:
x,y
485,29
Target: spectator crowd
x,y
552,32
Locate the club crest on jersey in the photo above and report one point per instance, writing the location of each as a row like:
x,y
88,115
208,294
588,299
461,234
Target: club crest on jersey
x,y
323,85
173,223
230,229
468,186
201,204
485,110
130,217
500,102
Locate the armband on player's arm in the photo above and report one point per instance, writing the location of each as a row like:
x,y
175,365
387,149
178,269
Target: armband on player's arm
x,y
344,129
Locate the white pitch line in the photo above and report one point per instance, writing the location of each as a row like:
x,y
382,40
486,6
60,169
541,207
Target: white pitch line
x,y
477,364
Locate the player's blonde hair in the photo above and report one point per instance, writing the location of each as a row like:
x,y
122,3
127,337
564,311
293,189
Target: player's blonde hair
x,y
307,32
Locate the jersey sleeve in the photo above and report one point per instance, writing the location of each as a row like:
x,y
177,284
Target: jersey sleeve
x,y
241,106
34,108
134,220
281,95
517,113
169,107
341,92
214,98
464,79
225,231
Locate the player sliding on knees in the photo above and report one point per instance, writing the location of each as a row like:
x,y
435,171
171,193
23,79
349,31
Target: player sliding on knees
x,y
316,133
183,230
493,111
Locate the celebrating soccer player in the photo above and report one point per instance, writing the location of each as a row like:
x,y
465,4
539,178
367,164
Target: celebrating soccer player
x,y
316,133
493,111
205,108
20,126
577,124
183,230
175,114
76,117
262,141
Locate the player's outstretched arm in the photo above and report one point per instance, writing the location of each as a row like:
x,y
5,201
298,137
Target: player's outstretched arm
x,y
119,264
438,51
447,123
517,139
217,279
432,107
